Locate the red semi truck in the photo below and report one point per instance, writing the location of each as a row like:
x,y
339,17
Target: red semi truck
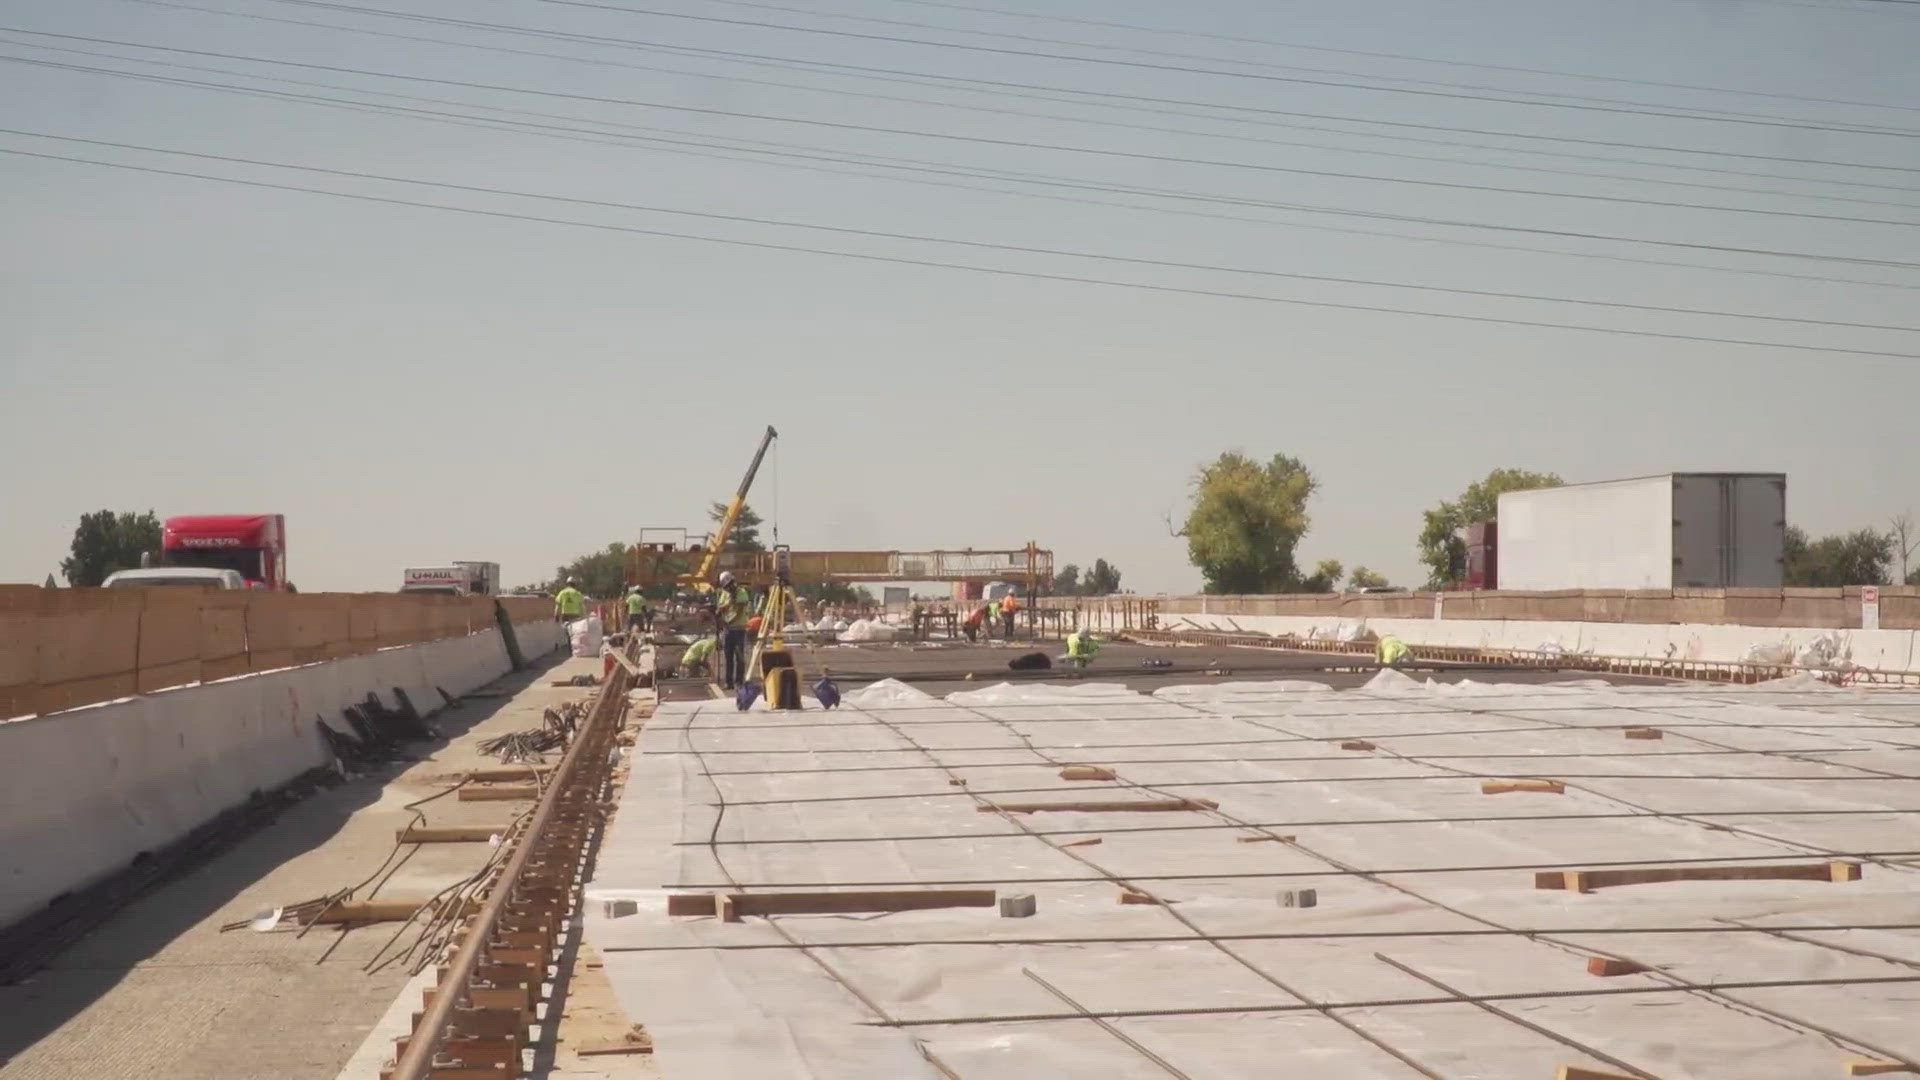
x,y
255,545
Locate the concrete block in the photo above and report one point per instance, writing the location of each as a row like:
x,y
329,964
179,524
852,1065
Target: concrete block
x,y
1299,898
1018,906
619,909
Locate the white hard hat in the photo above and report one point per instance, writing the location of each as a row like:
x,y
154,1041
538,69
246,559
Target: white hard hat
x,y
726,577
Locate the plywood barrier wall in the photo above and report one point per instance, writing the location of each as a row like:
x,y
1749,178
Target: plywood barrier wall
x,y
62,648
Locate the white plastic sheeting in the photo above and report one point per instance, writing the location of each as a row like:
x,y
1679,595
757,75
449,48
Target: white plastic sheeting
x,y
861,797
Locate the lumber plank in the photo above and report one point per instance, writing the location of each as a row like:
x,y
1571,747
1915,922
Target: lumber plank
x,y
499,792
1586,880
511,772
1879,1068
1086,772
1645,733
372,911
1607,967
1357,744
1578,1072
1502,787
828,903
451,834
1101,806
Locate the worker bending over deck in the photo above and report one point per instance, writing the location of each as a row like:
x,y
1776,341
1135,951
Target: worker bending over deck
x,y
732,608
1391,651
975,619
1081,648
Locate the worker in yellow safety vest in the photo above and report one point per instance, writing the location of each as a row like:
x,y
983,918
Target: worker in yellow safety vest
x,y
1081,648
1391,651
732,608
636,610
569,603
694,660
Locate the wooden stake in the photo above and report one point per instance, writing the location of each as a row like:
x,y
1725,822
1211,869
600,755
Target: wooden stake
x,y
1576,1072
1502,787
1607,967
1645,733
455,834
1879,1068
1357,744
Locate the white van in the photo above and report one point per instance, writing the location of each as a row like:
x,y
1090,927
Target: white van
x,y
203,577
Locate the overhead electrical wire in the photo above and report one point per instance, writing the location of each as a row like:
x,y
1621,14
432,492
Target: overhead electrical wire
x,y
918,165
910,261
1023,249
596,136
1188,131
1747,119
1006,87
1266,65
1161,30
975,139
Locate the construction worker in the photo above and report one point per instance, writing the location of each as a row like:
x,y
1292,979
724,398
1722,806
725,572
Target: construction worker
x,y
1081,648
694,661
570,603
732,607
1391,651
1008,607
636,611
993,618
974,620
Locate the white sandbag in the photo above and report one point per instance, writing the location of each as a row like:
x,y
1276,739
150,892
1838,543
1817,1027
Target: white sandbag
x,y
586,636
867,630
885,693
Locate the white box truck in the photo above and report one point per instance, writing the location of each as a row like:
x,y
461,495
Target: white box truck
x,y
1678,531
453,579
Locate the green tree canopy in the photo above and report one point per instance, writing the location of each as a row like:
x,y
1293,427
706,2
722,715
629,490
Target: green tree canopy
x,y
603,574
1325,577
834,592
105,541
1102,580
1245,521
1441,548
1862,557
1067,581
746,530
1364,578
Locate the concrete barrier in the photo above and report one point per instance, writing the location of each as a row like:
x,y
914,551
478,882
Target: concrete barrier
x,y
86,791
1888,650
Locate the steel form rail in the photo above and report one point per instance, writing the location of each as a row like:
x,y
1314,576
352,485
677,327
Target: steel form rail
x,y
464,1016
1727,671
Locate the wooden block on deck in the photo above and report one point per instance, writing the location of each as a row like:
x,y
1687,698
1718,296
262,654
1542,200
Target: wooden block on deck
x,y
1879,1068
1586,880
635,1041
1607,967
1502,787
1086,772
485,1051
1576,1072
1135,896
1265,839
1088,842
830,903
452,834
1106,806
499,792
512,772
1645,733
1357,744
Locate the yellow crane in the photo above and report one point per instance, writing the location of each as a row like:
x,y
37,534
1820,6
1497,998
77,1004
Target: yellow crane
x,y
702,577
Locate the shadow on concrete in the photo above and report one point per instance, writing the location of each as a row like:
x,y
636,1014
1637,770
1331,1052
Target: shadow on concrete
x,y
89,968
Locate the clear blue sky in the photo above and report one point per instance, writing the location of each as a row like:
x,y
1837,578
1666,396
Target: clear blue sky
x,y
413,385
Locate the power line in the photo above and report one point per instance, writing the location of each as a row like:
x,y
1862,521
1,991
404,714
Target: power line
x,y
1133,126
980,139
675,146
1002,86
999,271
1023,249
1747,119
1073,43
918,165
1405,56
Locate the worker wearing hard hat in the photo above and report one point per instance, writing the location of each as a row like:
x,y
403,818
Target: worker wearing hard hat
x,y
569,603
636,610
694,660
1081,648
1009,604
732,609
974,620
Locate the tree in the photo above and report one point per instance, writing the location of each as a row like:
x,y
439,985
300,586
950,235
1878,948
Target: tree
x,y
833,592
1102,580
1067,581
603,574
1904,541
105,541
1245,521
1860,557
1441,547
1364,578
746,529
1325,577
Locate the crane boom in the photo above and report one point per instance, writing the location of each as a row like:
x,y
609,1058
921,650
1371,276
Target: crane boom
x,y
701,577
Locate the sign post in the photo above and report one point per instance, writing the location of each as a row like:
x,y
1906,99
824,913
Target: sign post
x,y
1870,607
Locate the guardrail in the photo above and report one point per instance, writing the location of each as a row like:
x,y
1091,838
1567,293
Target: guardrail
x,y
63,648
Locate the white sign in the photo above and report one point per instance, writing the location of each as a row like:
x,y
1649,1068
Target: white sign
x,y
1438,599
1870,607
